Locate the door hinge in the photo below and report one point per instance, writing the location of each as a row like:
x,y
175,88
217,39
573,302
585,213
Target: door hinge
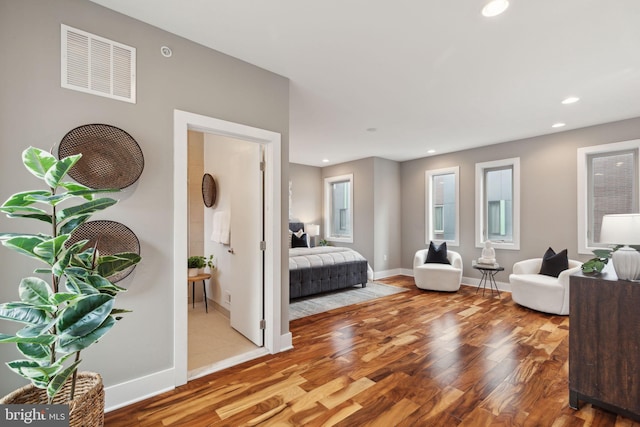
x,y
263,165
263,324
263,245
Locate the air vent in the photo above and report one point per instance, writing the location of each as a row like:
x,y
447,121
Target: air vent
x,y
96,65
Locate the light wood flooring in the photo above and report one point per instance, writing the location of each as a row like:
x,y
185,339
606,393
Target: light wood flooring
x,y
417,358
212,340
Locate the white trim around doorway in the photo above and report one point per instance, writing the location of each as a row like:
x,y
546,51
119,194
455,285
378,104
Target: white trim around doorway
x,y
184,121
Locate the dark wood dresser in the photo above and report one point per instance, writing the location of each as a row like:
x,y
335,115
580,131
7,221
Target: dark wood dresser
x,y
604,343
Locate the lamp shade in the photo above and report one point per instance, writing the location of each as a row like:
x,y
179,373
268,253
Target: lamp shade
x,y
312,230
620,229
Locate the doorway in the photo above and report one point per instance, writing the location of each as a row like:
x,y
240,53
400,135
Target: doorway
x,y
221,330
274,340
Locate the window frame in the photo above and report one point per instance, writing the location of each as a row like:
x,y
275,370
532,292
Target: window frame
x,y
481,210
584,202
429,205
328,208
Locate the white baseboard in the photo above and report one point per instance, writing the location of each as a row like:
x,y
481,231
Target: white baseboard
x,y
286,342
137,389
466,281
474,281
386,273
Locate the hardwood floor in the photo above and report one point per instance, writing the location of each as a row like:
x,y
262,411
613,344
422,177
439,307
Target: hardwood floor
x,y
417,358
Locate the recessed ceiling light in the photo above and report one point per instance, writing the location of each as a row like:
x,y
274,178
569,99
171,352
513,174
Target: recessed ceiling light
x,y
570,100
372,129
558,125
325,160
495,8
431,151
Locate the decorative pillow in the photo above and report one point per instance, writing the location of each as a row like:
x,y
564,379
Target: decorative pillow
x,y
554,263
290,234
299,242
437,255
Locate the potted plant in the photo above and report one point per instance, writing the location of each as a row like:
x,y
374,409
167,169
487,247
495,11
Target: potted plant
x,y
194,264
596,265
68,304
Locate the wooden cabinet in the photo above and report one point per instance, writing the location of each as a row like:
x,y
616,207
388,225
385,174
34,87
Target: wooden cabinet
x,y
604,343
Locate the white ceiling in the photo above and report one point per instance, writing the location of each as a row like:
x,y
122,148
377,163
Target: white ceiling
x,y
427,74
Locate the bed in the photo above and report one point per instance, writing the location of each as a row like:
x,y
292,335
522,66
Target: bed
x,y
324,268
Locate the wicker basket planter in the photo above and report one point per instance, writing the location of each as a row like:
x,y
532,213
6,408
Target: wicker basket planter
x,y
86,410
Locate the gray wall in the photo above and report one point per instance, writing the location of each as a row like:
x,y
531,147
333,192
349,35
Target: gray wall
x,y
386,215
376,199
363,223
35,110
548,176
306,197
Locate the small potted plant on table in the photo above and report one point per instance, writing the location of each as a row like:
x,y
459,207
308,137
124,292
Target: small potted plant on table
x,y
194,264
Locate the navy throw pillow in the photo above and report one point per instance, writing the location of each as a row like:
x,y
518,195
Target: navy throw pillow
x,y
437,255
299,242
554,263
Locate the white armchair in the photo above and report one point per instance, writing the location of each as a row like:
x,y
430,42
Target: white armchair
x,y
538,291
437,277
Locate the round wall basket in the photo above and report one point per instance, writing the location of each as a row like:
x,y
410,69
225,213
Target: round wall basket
x,y
111,158
112,237
209,190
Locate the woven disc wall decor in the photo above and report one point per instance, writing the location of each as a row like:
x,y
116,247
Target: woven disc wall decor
x,y
111,158
112,237
209,190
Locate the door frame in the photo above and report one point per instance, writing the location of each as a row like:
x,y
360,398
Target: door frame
x,y
183,122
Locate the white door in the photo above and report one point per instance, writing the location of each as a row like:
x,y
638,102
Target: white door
x,y
246,211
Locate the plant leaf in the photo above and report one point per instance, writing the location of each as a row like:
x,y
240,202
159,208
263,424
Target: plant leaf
x,y
42,339
19,366
38,352
25,245
23,199
32,331
85,315
60,297
73,223
602,253
35,291
37,161
58,381
23,314
59,170
69,344
87,208
112,264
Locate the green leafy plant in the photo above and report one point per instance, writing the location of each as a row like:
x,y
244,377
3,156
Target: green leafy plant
x,y
210,263
323,242
196,261
75,307
595,265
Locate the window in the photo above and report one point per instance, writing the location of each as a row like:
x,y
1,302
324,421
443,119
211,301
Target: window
x,y
607,184
338,208
438,220
441,209
498,203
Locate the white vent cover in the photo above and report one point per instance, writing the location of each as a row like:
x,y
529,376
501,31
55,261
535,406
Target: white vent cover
x,y
96,65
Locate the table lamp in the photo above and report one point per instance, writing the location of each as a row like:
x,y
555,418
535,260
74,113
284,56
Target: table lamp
x,y
623,229
312,230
